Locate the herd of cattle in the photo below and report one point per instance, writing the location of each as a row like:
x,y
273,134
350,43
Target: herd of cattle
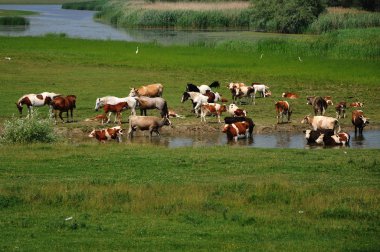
x,y
324,130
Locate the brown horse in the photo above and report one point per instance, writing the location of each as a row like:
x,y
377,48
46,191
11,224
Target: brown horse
x,y
152,90
64,104
117,108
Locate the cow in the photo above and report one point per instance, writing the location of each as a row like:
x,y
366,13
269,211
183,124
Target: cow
x,y
283,109
319,104
260,88
331,139
322,123
244,91
356,104
236,130
359,121
212,108
231,120
312,135
152,90
151,123
340,109
103,135
328,99
290,95
232,87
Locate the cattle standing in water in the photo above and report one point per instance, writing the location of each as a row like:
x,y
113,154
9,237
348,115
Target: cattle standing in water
x,y
231,120
312,135
289,95
64,104
236,130
340,109
212,108
359,121
107,134
319,104
331,139
159,103
283,109
151,123
152,90
322,123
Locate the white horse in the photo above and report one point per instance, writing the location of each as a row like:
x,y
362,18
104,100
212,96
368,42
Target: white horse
x,y
113,100
259,88
36,100
196,98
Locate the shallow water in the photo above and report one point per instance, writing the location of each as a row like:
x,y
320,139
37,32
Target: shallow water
x,y
294,140
80,24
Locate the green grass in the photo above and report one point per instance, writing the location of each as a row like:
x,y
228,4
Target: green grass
x,y
7,13
143,197
127,197
13,21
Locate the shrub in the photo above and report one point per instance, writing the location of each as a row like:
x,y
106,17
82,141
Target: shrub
x,y
28,130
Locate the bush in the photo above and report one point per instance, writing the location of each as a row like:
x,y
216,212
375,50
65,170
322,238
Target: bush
x,y
28,130
291,16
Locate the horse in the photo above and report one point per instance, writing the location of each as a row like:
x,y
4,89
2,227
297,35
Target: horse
x,y
64,104
153,103
152,90
259,88
197,99
202,88
115,108
113,100
35,100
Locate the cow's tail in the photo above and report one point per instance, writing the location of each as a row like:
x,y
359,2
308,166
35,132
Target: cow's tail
x,y
165,110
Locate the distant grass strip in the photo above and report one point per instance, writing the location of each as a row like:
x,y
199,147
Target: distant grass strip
x,y
12,13
129,15
88,5
334,21
13,21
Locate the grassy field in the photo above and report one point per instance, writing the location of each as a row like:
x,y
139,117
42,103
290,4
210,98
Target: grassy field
x,y
74,195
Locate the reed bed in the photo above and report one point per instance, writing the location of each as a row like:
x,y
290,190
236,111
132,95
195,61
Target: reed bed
x,y
87,5
14,20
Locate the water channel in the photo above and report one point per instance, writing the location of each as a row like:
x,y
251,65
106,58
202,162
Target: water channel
x,y
80,24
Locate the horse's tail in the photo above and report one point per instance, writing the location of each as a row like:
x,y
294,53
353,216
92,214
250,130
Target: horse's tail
x,y
165,110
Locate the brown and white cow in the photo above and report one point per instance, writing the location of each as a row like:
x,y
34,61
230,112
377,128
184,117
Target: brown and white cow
x,y
319,104
331,139
236,111
359,121
236,130
151,123
356,104
340,109
290,95
212,109
103,135
322,123
283,109
231,120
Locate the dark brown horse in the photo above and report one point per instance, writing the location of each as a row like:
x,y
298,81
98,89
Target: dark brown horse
x,y
64,104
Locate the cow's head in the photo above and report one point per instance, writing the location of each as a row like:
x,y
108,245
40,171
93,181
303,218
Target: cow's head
x,y
310,100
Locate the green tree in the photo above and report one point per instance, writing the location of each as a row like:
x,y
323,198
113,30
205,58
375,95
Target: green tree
x,y
285,16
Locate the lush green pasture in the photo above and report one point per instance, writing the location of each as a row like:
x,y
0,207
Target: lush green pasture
x,y
75,195
128,197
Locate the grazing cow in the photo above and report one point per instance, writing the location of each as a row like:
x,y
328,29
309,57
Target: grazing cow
x,y
359,121
231,120
116,108
356,104
151,123
290,95
319,104
236,130
152,90
322,123
103,135
64,104
159,103
232,87
331,139
262,88
196,98
283,109
244,91
340,109
212,108
101,118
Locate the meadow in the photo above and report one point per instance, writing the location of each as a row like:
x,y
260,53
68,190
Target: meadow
x,y
74,195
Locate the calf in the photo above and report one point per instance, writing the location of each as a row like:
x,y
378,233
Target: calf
x,y
101,118
235,111
331,139
107,134
322,123
356,104
340,109
231,120
359,121
151,123
236,130
290,95
319,104
212,108
283,108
